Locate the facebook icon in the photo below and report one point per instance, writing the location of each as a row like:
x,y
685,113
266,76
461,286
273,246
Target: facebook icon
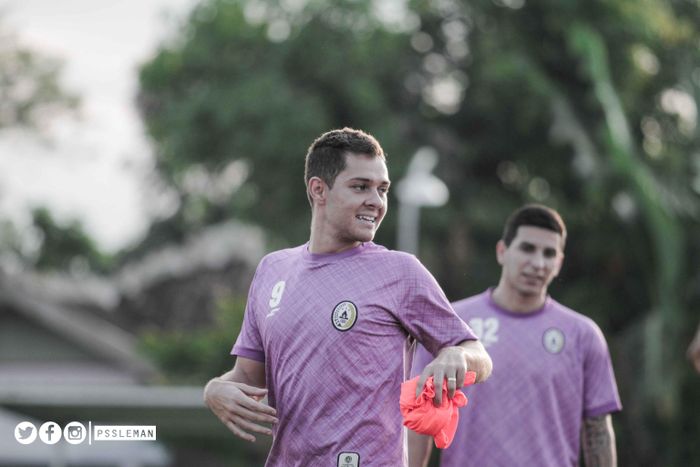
x,y
50,433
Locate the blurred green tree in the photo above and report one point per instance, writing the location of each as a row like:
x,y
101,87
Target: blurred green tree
x,y
65,247
30,96
590,107
30,91
194,357
236,100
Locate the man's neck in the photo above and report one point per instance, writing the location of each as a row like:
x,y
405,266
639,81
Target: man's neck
x,y
322,242
514,301
319,247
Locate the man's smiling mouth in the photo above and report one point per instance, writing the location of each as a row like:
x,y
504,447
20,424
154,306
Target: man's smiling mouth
x,y
367,219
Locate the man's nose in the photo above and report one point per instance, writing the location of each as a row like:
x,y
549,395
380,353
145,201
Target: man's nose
x,y
538,260
375,199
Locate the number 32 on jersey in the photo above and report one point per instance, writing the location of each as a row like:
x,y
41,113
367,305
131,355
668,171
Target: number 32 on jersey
x,y
485,329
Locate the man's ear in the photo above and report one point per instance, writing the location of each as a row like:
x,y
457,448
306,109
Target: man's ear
x,y
317,191
500,251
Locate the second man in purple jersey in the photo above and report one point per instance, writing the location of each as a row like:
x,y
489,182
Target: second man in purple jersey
x,y
329,326
553,385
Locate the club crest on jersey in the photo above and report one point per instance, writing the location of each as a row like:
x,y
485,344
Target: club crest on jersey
x,y
348,459
344,315
553,340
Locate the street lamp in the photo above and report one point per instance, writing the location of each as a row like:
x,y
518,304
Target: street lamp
x,y
419,188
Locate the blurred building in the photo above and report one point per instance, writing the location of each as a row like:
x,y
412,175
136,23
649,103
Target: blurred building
x,y
68,350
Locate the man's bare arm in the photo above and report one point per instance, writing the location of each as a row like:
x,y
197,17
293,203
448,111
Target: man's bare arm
x,y
598,440
419,449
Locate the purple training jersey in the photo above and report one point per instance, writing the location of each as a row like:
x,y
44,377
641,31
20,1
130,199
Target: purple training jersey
x,y
551,369
335,333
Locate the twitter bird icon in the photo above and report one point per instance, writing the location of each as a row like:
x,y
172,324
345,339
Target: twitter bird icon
x,y
25,432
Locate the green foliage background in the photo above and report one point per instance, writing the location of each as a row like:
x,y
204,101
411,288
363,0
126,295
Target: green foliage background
x,y
194,356
583,105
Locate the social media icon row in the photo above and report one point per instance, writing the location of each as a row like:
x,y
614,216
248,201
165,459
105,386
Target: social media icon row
x,y
50,432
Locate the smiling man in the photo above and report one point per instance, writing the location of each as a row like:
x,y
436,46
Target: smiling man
x,y
553,386
329,326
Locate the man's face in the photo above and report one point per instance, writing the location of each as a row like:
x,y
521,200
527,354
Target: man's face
x,y
532,260
357,203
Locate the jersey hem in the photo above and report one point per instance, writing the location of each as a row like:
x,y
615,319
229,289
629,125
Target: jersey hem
x,y
603,410
248,353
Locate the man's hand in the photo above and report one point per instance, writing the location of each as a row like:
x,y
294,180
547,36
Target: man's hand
x,y
235,398
238,407
452,364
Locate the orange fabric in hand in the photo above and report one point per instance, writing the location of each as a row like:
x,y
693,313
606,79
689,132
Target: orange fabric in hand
x,y
422,416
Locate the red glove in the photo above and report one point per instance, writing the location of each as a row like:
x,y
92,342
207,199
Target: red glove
x,y
421,415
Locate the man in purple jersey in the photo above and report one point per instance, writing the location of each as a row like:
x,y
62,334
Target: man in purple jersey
x,y
553,386
329,326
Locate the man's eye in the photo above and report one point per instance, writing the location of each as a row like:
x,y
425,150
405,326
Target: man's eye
x,y
384,190
360,187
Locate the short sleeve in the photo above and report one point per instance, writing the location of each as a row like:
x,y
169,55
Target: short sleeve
x,y
249,341
425,312
600,388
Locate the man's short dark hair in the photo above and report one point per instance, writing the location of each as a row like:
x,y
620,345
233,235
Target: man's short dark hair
x,y
534,215
325,158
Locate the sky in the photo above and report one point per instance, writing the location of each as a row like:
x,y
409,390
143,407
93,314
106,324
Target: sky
x,y
93,166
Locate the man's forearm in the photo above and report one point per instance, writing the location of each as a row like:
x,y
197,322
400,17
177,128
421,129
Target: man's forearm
x,y
245,371
478,360
419,449
599,442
